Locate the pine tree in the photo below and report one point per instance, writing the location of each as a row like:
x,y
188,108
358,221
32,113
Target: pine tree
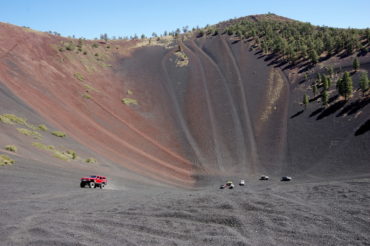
x,y
331,71
356,64
340,86
325,82
318,76
306,100
346,87
364,82
329,81
313,56
367,35
314,89
325,97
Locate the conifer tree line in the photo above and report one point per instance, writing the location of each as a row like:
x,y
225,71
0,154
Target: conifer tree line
x,y
344,85
295,40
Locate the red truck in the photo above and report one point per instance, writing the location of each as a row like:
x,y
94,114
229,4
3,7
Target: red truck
x,y
94,181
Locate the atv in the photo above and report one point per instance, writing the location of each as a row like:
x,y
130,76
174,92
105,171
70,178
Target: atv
x,y
229,184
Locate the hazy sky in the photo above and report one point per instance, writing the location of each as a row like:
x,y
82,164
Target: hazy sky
x,y
90,18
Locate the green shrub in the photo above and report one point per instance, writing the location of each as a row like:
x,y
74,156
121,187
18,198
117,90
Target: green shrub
x,y
70,46
59,134
95,45
129,101
5,120
106,65
90,160
86,96
79,76
61,155
129,92
43,146
28,132
11,148
200,33
43,128
72,153
182,59
90,87
13,119
6,160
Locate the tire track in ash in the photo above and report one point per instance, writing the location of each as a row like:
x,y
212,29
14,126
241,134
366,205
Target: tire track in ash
x,y
210,109
284,152
9,51
236,118
36,225
165,164
138,167
141,152
141,134
179,172
204,221
247,118
170,90
324,214
170,225
241,214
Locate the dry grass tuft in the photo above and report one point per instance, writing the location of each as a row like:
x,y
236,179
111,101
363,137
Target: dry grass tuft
x,y
128,101
28,132
6,160
11,148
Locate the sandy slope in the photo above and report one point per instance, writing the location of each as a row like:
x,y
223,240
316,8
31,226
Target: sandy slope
x,y
229,113
48,208
228,110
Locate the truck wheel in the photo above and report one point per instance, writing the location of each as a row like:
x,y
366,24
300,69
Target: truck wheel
x,y
92,185
101,186
82,185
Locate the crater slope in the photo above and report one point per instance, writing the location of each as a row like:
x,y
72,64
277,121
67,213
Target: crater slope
x,y
175,111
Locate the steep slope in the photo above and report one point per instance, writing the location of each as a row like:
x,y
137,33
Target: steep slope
x,y
175,112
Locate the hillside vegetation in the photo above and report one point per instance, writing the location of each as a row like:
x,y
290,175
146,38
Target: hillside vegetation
x,y
294,40
247,96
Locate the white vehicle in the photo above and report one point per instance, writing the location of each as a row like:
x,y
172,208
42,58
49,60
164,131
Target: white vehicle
x,y
229,184
264,177
242,182
286,178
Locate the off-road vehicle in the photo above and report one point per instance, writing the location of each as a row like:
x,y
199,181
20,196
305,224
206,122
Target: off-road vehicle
x,y
286,178
229,184
94,181
264,177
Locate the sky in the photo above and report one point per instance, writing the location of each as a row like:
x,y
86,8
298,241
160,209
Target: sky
x,y
90,18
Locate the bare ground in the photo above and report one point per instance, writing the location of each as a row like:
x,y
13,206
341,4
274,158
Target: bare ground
x,y
49,208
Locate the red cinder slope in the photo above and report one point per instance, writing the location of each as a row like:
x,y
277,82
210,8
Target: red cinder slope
x,y
80,94
173,110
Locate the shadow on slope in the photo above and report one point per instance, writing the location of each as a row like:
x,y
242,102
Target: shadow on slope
x,y
363,128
